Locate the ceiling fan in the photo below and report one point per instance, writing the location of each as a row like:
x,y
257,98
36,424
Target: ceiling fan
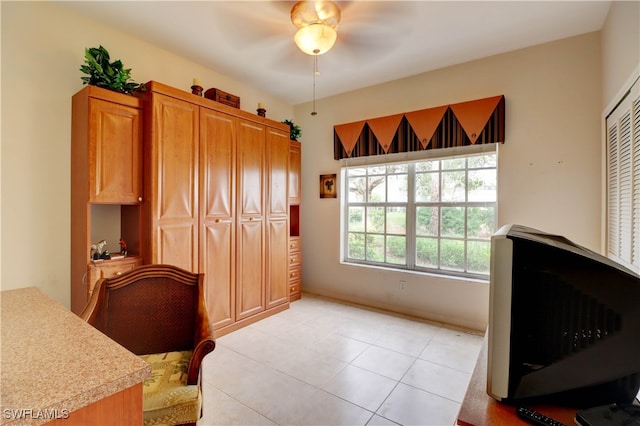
x,y
354,31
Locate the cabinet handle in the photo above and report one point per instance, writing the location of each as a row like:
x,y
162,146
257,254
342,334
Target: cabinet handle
x,y
217,221
140,199
118,273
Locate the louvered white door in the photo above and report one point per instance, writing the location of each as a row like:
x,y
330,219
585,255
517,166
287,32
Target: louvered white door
x,y
623,181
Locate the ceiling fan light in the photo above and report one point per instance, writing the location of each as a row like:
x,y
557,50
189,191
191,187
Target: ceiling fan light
x,y
326,12
315,39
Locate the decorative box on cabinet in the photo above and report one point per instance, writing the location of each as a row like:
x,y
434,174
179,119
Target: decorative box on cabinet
x,y
215,184
106,159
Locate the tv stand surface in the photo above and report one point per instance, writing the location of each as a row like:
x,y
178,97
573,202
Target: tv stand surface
x,y
479,409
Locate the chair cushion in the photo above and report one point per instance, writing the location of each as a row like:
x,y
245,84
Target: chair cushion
x,y
166,397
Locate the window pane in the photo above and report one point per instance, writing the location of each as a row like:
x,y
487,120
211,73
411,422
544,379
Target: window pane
x,y
356,246
397,189
376,170
482,185
425,166
480,222
397,168
427,187
452,222
478,256
427,221
356,219
357,189
397,220
357,171
375,219
453,186
377,189
453,163
375,248
486,160
396,250
427,252
452,255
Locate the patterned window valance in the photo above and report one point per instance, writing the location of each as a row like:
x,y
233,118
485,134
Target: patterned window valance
x,y
466,123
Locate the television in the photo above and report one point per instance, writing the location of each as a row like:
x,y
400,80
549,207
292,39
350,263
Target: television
x,y
564,323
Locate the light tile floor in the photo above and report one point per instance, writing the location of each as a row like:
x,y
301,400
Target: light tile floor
x,y
324,362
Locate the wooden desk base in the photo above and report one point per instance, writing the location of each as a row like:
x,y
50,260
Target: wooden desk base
x,y
121,408
479,409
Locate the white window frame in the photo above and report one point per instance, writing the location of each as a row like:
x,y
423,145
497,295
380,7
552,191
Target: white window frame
x,y
440,154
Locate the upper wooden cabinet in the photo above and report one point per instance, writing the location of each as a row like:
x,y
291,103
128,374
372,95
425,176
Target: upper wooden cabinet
x,y
106,176
110,125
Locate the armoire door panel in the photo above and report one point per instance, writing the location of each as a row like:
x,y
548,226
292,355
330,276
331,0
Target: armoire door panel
x,y
177,167
175,245
277,263
250,159
250,271
218,266
278,172
217,156
115,172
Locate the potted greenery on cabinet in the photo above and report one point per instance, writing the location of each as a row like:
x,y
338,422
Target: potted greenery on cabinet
x,y
106,74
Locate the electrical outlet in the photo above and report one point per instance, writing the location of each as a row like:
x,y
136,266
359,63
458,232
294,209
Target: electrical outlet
x,y
402,284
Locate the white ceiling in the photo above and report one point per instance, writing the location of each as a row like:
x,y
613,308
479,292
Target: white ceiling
x,y
378,41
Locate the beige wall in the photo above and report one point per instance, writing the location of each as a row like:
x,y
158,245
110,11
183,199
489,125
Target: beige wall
x,y
42,50
620,48
549,167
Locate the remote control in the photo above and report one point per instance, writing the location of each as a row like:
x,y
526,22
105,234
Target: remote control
x,y
537,418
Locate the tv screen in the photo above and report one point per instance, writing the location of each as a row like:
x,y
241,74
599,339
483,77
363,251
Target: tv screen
x,y
564,323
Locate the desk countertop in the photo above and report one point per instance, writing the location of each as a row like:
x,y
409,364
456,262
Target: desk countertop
x,y
53,363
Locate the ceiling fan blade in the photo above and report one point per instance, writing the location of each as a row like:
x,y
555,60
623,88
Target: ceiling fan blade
x,y
245,23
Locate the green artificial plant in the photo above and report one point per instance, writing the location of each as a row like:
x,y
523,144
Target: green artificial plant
x,y
295,130
106,74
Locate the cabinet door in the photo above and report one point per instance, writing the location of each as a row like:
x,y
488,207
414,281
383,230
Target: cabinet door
x,y
217,214
278,262
277,217
277,172
295,170
250,266
250,273
174,176
115,149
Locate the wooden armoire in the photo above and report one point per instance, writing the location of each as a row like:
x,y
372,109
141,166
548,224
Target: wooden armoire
x,y
216,201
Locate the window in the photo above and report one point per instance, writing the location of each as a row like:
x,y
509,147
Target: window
x,y
623,180
433,215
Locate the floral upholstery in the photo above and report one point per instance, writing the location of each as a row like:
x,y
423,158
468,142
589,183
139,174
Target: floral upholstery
x,y
167,399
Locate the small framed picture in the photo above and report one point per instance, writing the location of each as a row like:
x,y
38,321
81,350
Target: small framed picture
x,y
328,186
